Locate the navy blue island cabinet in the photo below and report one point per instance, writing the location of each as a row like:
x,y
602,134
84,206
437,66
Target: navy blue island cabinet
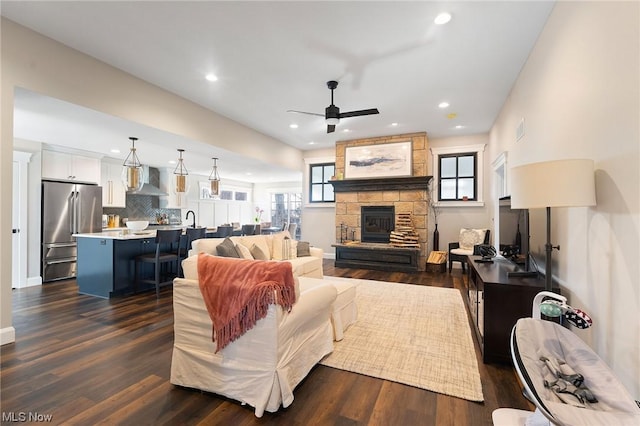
x,y
106,266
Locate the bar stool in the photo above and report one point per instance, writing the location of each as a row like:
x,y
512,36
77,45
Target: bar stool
x,y
249,229
224,231
162,275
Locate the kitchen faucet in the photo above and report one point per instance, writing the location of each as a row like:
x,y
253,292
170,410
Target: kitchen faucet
x,y
194,218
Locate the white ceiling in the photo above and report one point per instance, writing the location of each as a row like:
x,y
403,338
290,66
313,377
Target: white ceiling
x,y
274,56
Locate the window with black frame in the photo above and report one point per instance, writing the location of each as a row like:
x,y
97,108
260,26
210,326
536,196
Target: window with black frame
x,y
320,189
457,177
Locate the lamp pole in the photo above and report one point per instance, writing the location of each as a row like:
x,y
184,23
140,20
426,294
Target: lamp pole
x,y
548,248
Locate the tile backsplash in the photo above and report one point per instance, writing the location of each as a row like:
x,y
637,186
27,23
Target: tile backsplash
x,y
144,207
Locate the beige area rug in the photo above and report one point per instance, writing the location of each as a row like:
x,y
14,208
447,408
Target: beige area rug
x,y
416,335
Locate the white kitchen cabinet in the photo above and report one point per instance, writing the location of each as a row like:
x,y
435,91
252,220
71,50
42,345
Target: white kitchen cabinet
x,y
173,200
113,190
63,166
205,214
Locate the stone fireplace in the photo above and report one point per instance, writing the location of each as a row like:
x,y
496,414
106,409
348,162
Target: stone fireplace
x,y
404,194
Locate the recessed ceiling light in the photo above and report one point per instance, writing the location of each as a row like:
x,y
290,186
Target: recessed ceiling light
x,y
443,105
211,77
452,115
442,18
394,124
172,161
115,151
459,126
346,130
293,126
312,143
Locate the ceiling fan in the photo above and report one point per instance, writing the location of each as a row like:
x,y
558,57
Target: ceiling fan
x,y
332,113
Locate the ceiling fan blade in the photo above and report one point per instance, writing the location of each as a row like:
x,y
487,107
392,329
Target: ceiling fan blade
x,y
304,112
331,128
361,112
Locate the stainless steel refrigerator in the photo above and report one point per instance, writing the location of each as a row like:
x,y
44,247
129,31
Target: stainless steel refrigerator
x,y
67,209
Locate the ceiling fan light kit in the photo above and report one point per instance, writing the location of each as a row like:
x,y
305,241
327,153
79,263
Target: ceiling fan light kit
x,y
332,113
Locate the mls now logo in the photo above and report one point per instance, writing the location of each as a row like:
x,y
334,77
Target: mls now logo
x,y
12,416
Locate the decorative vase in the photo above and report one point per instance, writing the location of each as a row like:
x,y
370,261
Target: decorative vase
x,y
436,239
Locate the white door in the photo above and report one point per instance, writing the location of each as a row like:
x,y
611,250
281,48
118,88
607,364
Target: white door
x,y
19,220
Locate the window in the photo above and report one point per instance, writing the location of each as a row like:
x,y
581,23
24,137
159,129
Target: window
x,y
320,190
457,180
458,174
286,208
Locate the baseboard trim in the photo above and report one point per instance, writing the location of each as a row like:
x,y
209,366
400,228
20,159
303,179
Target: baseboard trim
x,y
31,281
7,335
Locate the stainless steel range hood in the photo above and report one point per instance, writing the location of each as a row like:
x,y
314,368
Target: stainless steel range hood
x,y
151,183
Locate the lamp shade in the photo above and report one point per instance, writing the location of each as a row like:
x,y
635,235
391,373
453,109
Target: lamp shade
x,y
560,183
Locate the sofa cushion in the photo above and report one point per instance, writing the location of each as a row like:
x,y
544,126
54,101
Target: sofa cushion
x,y
227,249
257,253
471,237
306,266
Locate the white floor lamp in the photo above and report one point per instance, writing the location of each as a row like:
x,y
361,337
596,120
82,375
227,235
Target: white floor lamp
x,y
561,183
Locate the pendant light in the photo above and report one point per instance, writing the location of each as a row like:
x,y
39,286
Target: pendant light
x,y
180,181
214,179
132,171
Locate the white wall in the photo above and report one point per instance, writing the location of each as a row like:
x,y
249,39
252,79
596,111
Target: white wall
x,y
579,95
319,221
40,64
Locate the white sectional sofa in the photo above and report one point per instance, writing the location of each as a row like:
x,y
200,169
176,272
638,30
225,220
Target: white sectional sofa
x,y
263,366
272,247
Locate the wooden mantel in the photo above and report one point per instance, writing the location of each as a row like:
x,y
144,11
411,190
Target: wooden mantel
x,y
381,184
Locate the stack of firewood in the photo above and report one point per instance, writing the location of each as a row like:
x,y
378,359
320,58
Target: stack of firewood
x,y
437,257
404,234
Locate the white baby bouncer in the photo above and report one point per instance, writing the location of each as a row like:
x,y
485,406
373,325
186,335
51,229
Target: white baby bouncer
x,y
563,377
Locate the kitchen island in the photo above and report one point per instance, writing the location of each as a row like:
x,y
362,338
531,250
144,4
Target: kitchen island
x,y
106,265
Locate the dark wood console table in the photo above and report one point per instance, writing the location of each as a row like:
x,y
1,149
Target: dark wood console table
x,y
377,256
496,301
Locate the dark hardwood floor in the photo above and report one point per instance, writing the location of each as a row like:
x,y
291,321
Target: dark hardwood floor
x,y
84,360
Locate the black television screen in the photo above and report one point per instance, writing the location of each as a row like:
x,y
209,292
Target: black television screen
x,y
514,233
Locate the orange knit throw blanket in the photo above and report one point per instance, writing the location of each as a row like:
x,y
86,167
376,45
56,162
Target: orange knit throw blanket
x,y
238,292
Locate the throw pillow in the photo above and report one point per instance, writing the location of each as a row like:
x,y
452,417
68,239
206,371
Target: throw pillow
x,y
261,241
293,249
471,237
244,252
281,248
257,253
227,249
303,249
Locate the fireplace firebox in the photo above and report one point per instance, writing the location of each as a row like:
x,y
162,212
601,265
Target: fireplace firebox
x,y
377,222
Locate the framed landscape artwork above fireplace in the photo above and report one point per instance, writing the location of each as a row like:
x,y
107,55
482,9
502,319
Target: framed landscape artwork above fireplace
x,y
380,160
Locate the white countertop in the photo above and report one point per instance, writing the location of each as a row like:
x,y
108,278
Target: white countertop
x,y
126,234
119,234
